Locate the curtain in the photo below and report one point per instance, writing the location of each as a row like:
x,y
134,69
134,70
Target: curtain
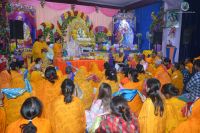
x,y
143,21
190,35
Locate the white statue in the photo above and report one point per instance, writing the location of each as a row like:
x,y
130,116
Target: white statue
x,y
73,48
80,33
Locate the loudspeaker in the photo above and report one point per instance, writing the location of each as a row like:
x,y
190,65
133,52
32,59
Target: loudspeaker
x,y
16,29
157,37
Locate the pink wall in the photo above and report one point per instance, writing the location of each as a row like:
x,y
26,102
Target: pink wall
x,y
52,11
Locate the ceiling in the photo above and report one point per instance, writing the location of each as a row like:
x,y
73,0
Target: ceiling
x,y
117,3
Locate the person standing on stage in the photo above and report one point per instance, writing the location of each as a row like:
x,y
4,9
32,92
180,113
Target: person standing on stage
x,y
40,48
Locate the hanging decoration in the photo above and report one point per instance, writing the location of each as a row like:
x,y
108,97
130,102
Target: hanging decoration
x,y
42,3
20,7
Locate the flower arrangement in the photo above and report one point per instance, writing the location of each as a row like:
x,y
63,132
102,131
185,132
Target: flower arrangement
x,y
48,28
101,37
102,34
158,22
4,34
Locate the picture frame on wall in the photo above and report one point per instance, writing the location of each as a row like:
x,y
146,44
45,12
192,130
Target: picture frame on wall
x,y
172,18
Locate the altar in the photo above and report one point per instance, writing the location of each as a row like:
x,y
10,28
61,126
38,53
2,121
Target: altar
x,y
62,64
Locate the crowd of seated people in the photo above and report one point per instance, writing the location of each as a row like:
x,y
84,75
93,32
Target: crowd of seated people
x,y
47,101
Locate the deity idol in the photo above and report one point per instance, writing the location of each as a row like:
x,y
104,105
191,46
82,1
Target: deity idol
x,y
73,48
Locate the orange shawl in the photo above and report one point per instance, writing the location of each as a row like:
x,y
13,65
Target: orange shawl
x,y
12,106
2,120
177,80
42,125
67,117
162,75
192,124
5,79
136,104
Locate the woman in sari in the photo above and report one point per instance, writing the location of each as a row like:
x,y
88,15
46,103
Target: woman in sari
x,y
189,65
173,107
57,48
152,117
48,88
192,124
94,70
125,79
40,48
111,79
67,113
141,72
161,73
85,86
12,106
5,79
31,122
177,77
134,83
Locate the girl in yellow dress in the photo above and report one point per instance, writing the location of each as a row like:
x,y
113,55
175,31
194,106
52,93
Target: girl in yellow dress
x,y
152,117
31,122
67,113
173,107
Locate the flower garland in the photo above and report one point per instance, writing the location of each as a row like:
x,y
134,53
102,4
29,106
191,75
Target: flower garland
x,y
20,7
67,17
48,28
4,34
